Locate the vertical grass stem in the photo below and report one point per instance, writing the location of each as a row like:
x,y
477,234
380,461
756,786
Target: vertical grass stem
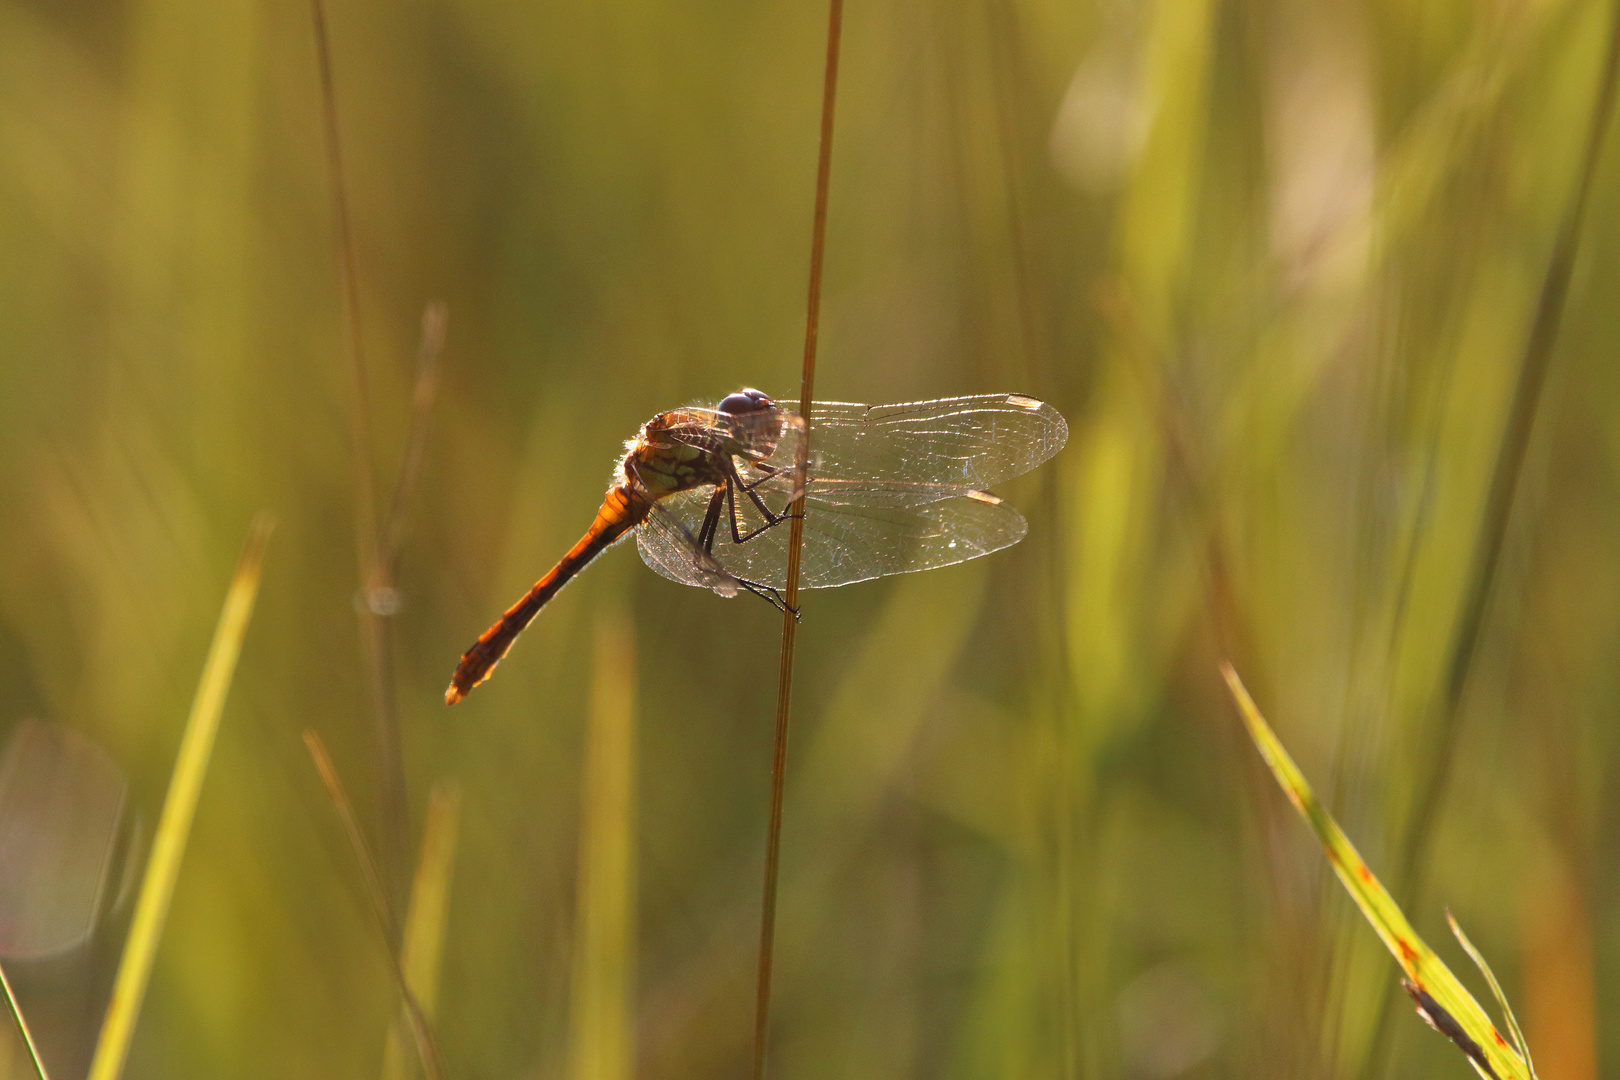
x,y
421,1030
422,935
368,539
790,613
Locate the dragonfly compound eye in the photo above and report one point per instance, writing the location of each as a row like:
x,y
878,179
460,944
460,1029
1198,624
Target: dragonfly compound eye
x,y
744,402
753,420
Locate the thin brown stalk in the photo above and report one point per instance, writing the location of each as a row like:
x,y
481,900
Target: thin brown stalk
x,y
22,1027
790,611
375,592
434,318
421,1030
1186,462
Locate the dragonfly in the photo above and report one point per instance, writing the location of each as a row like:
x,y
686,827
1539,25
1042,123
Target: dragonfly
x,y
884,489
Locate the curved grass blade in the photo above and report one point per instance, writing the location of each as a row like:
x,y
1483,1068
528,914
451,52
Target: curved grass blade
x,y
421,1030
1441,999
179,807
22,1027
1496,991
422,939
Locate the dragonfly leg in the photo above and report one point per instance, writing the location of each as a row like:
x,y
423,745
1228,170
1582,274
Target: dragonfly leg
x,y
710,574
771,473
771,596
771,520
711,519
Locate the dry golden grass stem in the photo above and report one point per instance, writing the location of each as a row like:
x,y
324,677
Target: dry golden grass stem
x,y
1187,461
435,318
421,951
790,611
421,1030
376,592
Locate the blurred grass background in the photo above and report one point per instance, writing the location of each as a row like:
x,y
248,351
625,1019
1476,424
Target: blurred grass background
x,y
1277,261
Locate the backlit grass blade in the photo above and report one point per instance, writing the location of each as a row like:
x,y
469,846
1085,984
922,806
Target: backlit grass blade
x,y
602,1014
423,941
22,1028
1441,999
179,806
1478,958
427,1046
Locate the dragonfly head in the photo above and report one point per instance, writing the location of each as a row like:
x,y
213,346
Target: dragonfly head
x,y
755,420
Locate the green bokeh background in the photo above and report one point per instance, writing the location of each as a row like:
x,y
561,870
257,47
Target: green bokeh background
x,y
1276,261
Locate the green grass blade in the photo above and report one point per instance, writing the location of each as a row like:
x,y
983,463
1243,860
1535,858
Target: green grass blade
x,y
1496,990
422,947
22,1027
602,1043
1441,998
179,807
426,1044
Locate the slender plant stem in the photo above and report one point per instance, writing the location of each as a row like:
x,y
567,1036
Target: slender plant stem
x,y
422,1031
374,576
790,612
22,1027
434,318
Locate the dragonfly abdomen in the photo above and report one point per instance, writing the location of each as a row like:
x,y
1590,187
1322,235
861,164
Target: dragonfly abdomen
x,y
622,510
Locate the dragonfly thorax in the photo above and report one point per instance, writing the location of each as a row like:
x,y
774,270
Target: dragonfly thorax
x,y
689,448
674,454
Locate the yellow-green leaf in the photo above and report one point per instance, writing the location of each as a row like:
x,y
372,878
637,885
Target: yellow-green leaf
x,y
1441,999
179,806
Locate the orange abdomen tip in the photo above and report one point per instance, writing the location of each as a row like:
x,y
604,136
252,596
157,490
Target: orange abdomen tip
x,y
621,511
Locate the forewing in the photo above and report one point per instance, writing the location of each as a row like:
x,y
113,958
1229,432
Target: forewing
x,y
964,442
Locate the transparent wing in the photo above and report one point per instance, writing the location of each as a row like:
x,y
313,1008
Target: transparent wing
x,y
669,547
973,442
963,442
890,489
896,530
